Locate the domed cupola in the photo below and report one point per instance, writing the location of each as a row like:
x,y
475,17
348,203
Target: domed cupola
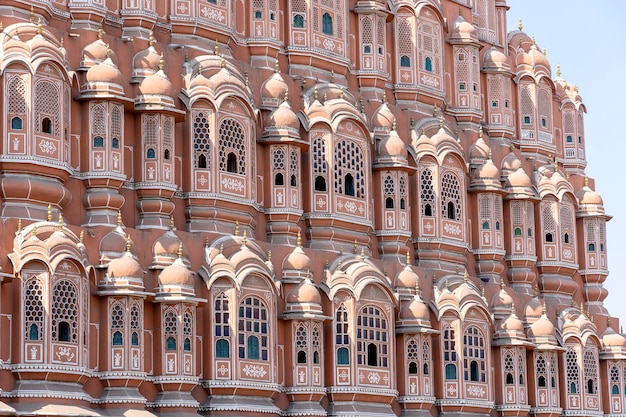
x,y
540,60
542,332
407,278
156,91
96,52
167,247
393,147
176,279
103,80
39,41
124,273
114,244
509,330
463,31
273,89
495,61
383,118
501,302
414,315
199,81
518,185
220,263
225,77
589,202
303,300
613,343
486,177
479,152
281,124
533,309
297,265
146,62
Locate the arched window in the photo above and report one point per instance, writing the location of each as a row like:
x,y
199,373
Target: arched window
x,y
428,211
298,21
425,369
170,343
405,61
46,125
591,247
402,204
231,163
301,356
372,343
293,181
316,357
201,161
320,183
115,143
509,378
517,231
302,343
549,237
98,142
450,371
253,330
450,211
134,339
474,357
166,154
389,203
450,193
222,348
485,225
16,123
258,14
33,332
151,153
63,331
349,184
428,64
615,390
541,381
117,339
279,179
412,368
327,24
343,356
252,351
566,238
187,345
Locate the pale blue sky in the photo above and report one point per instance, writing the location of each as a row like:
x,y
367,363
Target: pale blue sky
x,y
585,38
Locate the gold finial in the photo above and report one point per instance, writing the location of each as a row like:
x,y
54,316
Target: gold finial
x,y
100,31
341,93
545,52
582,308
435,109
2,27
520,42
340,252
533,40
446,283
244,239
576,88
325,97
108,51
299,239
513,308
180,250
326,264
19,225
480,131
277,66
315,92
441,122
482,289
457,270
35,230
119,218
586,181
269,255
60,40
332,75
545,309
384,97
216,49
171,222
161,62
60,221
247,80
362,254
520,26
355,246
286,97
489,155
465,277
151,38
417,286
32,14
394,125
81,237
608,322
206,242
49,218
556,166
128,243
237,228
408,258
558,70
412,122
221,249
549,158
39,27
502,284
223,62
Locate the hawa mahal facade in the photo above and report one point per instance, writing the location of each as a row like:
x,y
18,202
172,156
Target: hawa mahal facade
x,y
296,208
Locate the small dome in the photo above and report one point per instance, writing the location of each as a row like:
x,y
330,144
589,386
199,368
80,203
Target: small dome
x,y
479,149
611,339
220,262
539,59
297,259
39,41
157,84
393,145
383,118
543,327
519,179
305,293
225,77
488,170
199,81
415,309
587,196
533,309
523,59
502,299
105,72
494,59
511,162
462,29
442,136
96,52
511,324
168,245
274,88
125,266
283,116
407,278
148,59
176,274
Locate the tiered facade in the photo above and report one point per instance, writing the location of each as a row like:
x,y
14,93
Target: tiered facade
x,y
295,208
